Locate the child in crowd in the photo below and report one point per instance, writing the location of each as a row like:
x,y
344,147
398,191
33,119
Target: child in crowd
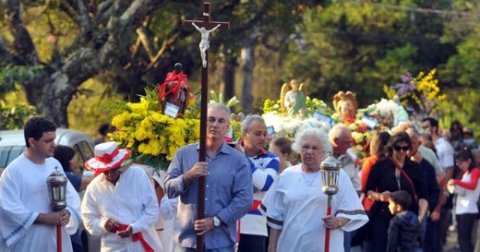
x,y
404,229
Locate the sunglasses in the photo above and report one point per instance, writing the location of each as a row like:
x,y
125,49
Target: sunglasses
x,y
400,148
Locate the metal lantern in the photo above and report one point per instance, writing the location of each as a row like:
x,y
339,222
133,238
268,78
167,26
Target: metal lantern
x,y
57,185
330,170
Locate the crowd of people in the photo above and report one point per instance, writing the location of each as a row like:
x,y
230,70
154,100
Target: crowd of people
x,y
402,197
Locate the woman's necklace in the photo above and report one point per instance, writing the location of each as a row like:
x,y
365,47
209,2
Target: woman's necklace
x,y
310,177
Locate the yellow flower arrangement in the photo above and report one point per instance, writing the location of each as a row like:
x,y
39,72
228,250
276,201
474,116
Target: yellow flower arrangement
x,y
152,136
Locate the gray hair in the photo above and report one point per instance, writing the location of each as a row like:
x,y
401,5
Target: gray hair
x,y
309,133
248,121
338,131
220,106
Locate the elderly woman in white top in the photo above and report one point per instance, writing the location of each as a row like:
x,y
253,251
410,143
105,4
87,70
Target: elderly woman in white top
x,y
296,206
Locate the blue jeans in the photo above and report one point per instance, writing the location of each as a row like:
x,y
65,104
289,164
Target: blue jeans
x,y
182,249
432,237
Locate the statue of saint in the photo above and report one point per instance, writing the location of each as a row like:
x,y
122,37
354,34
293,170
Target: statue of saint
x,y
292,98
204,43
345,104
175,90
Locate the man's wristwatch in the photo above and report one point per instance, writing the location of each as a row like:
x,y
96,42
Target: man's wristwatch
x,y
216,221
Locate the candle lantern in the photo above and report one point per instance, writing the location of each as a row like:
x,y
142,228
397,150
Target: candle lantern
x,y
330,170
57,185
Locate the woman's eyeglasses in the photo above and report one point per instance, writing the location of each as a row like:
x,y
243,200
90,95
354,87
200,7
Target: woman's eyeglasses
x,y
401,148
313,148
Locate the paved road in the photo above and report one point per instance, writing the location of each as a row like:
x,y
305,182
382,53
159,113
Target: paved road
x,y
452,245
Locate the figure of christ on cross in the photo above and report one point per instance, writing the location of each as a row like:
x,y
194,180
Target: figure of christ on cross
x,y
204,45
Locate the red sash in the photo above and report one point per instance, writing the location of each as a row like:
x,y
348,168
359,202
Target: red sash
x,y
255,204
137,237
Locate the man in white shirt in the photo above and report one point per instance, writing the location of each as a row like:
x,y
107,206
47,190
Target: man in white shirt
x,y
120,204
27,220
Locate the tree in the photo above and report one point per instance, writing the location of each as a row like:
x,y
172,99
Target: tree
x,y
360,46
102,34
128,44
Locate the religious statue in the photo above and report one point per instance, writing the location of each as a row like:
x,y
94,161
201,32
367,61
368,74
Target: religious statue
x,y
174,93
345,105
292,98
204,44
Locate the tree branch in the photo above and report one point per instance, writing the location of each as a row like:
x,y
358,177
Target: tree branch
x,y
84,20
22,42
6,57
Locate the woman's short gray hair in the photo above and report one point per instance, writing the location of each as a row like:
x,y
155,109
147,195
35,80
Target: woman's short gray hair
x,y
309,133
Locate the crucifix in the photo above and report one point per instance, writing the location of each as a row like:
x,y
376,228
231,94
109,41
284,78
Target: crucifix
x,y
205,27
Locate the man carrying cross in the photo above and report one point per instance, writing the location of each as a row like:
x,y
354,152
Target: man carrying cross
x,y
228,193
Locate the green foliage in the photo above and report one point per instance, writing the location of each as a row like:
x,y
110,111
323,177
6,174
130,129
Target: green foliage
x,y
332,46
10,75
360,46
93,105
462,105
463,68
15,116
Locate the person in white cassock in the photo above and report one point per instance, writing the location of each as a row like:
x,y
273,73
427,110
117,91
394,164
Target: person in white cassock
x,y
27,222
165,225
296,206
120,204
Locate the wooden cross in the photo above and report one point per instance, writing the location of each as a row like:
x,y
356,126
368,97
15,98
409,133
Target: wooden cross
x,y
208,27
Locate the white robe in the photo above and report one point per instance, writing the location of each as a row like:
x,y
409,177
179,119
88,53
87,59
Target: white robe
x,y
23,196
296,204
131,201
166,223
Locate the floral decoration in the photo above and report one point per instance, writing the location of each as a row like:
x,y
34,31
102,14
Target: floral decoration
x,y
152,136
420,95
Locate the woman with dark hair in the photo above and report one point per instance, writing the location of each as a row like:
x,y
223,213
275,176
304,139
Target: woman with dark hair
x,y
393,173
468,192
68,159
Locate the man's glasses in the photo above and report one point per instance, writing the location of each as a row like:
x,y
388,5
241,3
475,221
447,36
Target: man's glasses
x,y
401,148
